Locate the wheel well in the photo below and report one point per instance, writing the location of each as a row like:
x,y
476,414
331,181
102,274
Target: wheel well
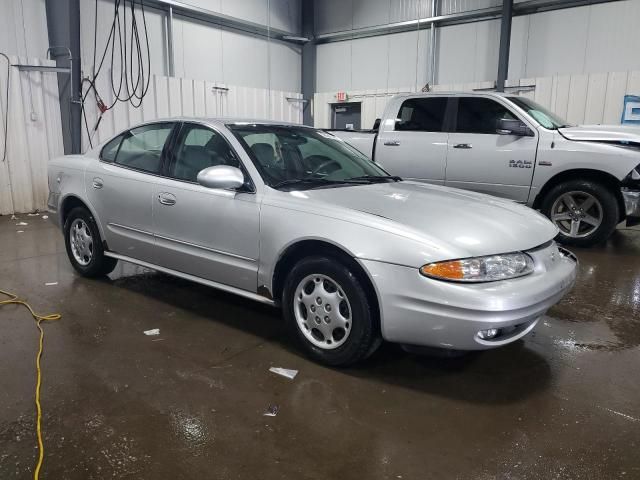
x,y
594,175
69,204
308,248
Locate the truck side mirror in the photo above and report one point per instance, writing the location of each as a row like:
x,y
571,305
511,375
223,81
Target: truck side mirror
x,y
508,126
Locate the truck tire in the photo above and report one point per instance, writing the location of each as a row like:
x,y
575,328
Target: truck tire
x,y
585,211
84,245
329,313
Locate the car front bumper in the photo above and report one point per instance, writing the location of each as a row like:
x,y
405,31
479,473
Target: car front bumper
x,y
632,206
416,310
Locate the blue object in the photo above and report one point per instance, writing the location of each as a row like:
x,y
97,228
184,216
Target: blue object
x,y
631,110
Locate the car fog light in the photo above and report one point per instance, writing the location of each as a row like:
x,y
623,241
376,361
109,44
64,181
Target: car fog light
x,y
488,334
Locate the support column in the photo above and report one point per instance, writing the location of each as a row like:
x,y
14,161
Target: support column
x,y
433,48
63,25
308,61
505,41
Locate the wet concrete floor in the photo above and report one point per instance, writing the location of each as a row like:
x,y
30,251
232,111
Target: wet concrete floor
x,y
189,403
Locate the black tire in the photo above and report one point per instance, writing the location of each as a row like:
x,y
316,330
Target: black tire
x,y
98,264
608,204
364,335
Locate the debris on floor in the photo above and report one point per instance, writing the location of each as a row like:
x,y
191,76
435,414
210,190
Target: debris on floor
x,y
20,231
21,224
153,331
44,217
49,284
33,214
285,372
272,411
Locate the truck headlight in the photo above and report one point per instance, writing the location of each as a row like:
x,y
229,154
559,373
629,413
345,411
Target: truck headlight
x,y
481,269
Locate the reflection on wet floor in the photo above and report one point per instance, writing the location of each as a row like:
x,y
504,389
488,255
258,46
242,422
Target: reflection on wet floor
x,y
190,402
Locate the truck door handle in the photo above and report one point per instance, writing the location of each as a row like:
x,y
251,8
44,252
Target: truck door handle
x,y
466,146
97,183
167,199
392,143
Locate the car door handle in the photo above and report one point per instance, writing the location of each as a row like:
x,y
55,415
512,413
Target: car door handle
x,y
392,143
97,183
465,146
167,199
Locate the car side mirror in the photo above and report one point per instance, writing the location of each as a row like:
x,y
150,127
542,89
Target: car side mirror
x,y
221,176
508,126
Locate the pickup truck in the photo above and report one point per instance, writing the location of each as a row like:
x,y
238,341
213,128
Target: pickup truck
x,y
586,179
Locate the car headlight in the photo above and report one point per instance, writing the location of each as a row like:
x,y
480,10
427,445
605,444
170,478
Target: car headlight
x,y
481,269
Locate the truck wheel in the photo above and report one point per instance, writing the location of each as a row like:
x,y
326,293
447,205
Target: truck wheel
x,y
84,245
586,212
327,308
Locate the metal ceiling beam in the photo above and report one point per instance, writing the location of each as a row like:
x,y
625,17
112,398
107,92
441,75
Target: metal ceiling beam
x,y
227,21
520,8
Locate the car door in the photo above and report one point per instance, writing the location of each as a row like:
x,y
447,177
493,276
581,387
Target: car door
x,y
414,146
206,232
120,186
481,159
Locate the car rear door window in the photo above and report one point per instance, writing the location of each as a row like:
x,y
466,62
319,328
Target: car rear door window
x,y
422,114
200,147
480,115
110,150
141,147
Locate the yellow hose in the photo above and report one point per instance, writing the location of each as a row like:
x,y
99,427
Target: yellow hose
x,y
13,299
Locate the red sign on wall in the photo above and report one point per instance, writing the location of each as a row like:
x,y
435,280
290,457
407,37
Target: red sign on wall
x,y
341,96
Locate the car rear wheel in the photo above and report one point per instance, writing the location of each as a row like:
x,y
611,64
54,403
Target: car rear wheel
x,y
84,245
328,309
585,212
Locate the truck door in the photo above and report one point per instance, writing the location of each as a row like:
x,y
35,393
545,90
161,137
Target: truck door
x,y
481,159
414,145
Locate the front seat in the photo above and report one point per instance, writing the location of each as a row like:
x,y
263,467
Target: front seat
x,y
265,154
192,160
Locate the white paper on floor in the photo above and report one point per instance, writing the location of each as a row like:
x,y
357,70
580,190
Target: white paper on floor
x,y
272,411
44,217
20,224
153,331
285,372
48,284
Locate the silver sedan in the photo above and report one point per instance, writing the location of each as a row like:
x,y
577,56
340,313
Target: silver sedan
x,y
292,216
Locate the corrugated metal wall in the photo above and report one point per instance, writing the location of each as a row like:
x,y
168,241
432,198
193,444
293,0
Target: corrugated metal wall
x,y
34,136
595,98
172,97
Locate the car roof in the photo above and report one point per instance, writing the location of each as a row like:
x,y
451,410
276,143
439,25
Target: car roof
x,y
223,121
455,94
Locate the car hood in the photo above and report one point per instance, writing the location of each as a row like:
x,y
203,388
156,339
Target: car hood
x,y
602,133
472,223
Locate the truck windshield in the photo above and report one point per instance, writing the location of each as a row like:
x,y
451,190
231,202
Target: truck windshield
x,y
290,157
541,115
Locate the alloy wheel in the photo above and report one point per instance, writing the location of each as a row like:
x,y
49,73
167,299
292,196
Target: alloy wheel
x,y
81,242
322,311
577,214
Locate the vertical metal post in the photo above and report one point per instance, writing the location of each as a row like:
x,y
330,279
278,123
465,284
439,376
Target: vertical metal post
x,y
432,44
308,62
63,25
505,41
170,57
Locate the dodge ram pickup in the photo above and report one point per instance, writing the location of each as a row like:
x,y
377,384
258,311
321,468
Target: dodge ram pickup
x,y
586,179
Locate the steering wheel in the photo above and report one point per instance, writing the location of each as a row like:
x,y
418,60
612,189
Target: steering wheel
x,y
323,164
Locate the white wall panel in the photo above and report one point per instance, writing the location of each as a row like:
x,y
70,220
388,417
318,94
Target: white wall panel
x,y
369,71
34,136
23,35
456,6
468,52
333,66
172,97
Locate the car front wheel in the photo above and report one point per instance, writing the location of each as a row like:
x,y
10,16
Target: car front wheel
x,y
585,212
328,308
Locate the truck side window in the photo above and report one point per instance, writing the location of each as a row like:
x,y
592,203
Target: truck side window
x,y
422,114
480,115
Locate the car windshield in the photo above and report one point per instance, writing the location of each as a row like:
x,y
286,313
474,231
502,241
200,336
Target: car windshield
x,y
541,115
290,157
